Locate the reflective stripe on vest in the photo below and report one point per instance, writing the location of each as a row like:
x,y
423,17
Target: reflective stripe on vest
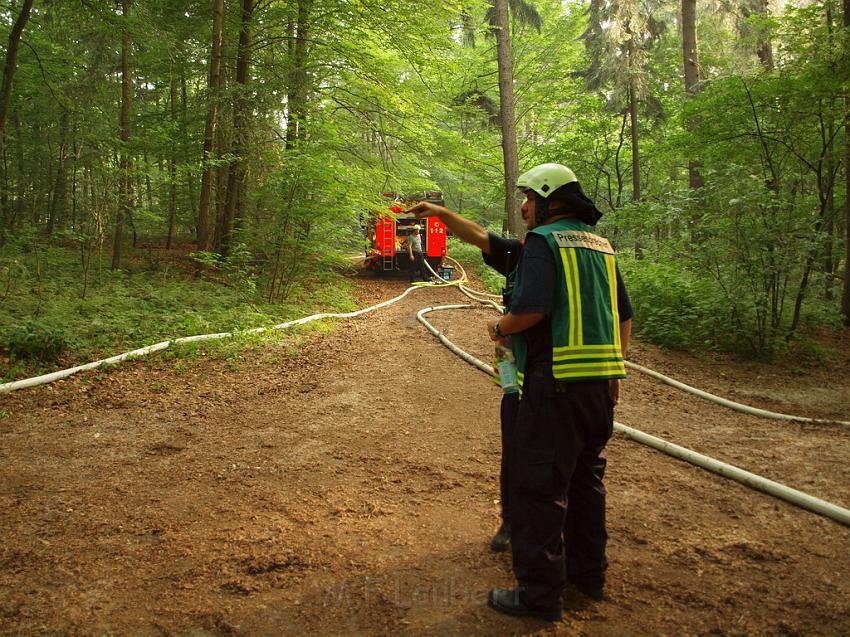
x,y
585,331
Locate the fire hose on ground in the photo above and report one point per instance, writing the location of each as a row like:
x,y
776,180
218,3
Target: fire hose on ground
x,y
788,494
746,478
747,409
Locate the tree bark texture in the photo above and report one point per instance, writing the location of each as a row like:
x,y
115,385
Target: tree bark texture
x,y
690,55
11,62
633,119
296,100
765,46
504,56
210,127
172,162
5,100
126,163
59,199
845,298
241,111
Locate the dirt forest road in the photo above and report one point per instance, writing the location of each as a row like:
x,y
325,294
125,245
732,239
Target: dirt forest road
x,y
350,487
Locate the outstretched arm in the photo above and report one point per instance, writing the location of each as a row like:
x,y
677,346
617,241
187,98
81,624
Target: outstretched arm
x,y
464,229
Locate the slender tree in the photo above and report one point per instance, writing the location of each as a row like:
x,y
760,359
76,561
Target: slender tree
x,y
764,46
845,299
126,162
210,128
11,62
296,101
690,55
633,120
172,158
507,114
241,108
9,69
618,38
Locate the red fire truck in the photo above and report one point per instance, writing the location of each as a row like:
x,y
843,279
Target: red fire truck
x,y
387,231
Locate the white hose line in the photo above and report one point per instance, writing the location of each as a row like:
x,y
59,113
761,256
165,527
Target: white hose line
x,y
420,316
473,294
6,388
746,409
469,292
481,297
478,296
793,496
754,411
492,304
798,498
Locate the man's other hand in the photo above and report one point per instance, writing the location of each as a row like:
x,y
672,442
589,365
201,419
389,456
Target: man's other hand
x,y
614,390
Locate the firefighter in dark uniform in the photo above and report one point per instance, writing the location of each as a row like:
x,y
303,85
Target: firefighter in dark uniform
x,y
569,324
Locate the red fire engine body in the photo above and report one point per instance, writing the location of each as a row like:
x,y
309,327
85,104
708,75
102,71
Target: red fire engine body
x,y
387,232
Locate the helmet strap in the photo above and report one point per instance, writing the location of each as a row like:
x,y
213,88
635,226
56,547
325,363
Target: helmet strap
x,y
541,209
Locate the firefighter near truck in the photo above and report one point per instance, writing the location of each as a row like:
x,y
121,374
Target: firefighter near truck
x,y
387,231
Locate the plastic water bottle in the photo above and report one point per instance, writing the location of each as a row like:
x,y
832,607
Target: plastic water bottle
x,y
507,369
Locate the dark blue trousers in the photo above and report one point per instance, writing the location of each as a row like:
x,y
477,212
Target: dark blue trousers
x,y
556,495
418,265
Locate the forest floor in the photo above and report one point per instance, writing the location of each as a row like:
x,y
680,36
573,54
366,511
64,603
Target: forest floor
x,y
349,486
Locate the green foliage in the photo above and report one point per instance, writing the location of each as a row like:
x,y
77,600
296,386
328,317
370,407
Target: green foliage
x,y
471,258
36,341
671,306
237,267
396,97
123,312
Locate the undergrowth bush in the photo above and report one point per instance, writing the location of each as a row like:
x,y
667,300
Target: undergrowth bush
x,y
121,312
36,341
672,308
471,257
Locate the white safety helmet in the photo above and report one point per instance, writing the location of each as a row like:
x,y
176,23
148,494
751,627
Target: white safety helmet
x,y
417,227
546,179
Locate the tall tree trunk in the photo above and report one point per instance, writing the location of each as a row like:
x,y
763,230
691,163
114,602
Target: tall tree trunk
x,y
5,204
297,91
184,147
633,119
220,192
172,162
845,299
829,252
765,46
75,154
690,54
11,62
5,101
241,109
831,152
210,128
504,58
126,162
633,115
59,199
20,204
